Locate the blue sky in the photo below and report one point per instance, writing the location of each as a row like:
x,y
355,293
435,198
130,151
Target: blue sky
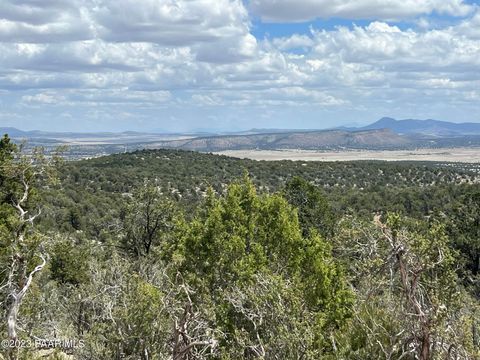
x,y
165,65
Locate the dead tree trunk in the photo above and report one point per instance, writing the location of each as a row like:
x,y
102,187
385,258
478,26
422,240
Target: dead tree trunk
x,y
18,281
16,296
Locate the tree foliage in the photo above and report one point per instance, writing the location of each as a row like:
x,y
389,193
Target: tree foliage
x,y
408,302
174,255
314,211
241,239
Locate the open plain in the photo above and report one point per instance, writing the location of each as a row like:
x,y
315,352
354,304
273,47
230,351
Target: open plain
x,y
461,154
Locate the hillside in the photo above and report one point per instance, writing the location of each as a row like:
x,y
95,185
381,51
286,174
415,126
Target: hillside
x,y
327,139
187,175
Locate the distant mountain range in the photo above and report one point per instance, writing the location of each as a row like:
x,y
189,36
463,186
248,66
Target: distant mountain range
x,y
424,127
16,133
407,126
386,133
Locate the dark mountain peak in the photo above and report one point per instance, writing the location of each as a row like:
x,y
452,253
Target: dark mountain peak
x,y
386,120
383,123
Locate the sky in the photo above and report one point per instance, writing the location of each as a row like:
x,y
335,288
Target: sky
x,y
185,65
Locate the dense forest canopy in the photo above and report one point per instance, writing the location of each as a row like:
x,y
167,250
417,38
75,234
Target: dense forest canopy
x,y
166,254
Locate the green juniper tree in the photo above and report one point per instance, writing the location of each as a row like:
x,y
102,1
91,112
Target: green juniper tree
x,y
314,211
148,219
245,244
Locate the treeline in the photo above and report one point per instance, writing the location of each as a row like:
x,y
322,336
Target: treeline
x,y
178,255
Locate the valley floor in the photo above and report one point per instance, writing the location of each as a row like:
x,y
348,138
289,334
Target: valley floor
x,y
463,154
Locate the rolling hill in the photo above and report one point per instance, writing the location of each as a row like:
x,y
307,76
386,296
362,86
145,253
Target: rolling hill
x,y
327,139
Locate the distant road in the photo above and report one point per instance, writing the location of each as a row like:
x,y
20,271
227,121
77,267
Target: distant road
x,y
463,154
